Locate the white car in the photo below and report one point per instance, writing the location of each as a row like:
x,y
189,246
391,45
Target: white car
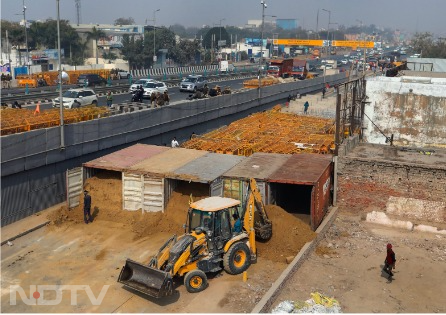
x,y
155,86
344,61
82,96
138,83
122,74
326,66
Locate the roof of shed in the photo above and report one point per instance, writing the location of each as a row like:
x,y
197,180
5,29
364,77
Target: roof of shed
x,y
167,161
123,159
206,168
304,168
259,166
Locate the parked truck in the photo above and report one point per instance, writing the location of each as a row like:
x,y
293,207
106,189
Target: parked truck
x,y
300,69
226,67
280,68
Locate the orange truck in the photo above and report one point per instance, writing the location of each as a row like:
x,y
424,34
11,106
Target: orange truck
x,y
300,69
280,68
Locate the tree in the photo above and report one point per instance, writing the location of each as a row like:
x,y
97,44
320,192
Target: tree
x,y
16,34
95,35
132,50
124,21
164,39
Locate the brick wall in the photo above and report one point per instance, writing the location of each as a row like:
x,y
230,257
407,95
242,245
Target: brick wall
x,y
367,184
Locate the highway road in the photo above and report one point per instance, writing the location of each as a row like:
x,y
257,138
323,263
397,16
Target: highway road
x,y
174,93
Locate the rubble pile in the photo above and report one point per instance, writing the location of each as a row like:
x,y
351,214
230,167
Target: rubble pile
x,y
318,303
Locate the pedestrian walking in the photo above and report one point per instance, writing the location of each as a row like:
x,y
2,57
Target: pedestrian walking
x,y
109,99
306,105
87,208
389,262
175,143
323,92
166,98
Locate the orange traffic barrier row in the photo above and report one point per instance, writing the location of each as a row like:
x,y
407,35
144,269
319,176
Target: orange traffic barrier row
x,y
21,120
272,132
52,77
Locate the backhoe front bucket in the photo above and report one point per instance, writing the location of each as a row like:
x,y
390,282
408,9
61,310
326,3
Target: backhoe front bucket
x,y
147,280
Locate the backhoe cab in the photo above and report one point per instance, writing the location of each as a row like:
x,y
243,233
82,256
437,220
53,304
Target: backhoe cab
x,y
209,244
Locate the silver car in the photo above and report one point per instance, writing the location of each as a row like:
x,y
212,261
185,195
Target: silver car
x,y
193,83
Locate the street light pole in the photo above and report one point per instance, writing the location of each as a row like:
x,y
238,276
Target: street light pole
x,y
220,27
264,6
61,107
26,35
154,38
328,28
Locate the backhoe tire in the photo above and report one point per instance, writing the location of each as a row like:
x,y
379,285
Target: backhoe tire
x,y
237,259
195,281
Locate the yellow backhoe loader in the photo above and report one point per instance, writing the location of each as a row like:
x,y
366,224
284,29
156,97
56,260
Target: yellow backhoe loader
x,y
210,243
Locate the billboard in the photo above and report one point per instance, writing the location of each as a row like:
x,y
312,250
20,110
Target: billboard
x,y
352,43
299,42
47,54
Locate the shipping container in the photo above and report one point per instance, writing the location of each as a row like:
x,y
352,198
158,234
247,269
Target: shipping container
x,y
116,162
258,166
303,186
151,175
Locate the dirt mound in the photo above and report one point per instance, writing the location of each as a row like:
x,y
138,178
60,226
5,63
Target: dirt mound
x,y
289,235
106,205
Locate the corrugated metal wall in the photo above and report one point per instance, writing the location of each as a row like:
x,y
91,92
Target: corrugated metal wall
x,y
26,193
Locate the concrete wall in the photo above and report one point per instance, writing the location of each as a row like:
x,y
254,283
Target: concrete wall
x,y
33,166
411,108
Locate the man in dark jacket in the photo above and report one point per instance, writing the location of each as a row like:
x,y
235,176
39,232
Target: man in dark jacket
x,y
87,207
390,261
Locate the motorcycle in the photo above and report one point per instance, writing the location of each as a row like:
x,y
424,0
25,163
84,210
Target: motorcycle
x,y
137,96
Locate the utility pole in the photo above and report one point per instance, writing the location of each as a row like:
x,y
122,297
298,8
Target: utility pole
x,y
7,49
61,107
154,38
26,35
78,11
328,29
264,6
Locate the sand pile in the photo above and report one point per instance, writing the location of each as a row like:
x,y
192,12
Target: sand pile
x,y
289,235
106,205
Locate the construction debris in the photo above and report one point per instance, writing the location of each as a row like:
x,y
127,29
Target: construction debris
x,y
318,303
269,132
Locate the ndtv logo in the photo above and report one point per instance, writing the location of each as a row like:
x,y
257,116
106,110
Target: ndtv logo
x,y
36,294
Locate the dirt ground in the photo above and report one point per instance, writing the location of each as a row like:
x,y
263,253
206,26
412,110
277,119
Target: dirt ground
x,y
347,266
69,251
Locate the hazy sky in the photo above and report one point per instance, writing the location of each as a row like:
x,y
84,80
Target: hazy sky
x,y
408,15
